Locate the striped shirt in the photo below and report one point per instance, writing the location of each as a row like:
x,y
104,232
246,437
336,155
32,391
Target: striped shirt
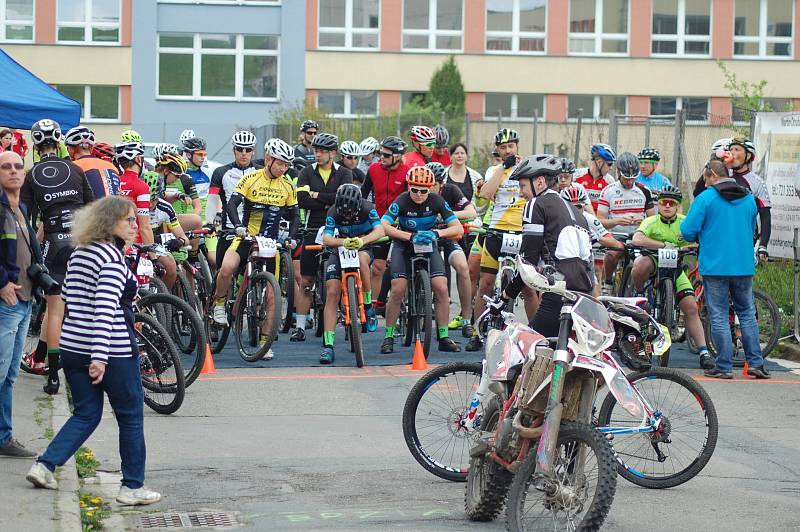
x,y
95,322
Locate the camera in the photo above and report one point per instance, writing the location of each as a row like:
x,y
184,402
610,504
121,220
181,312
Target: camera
x,y
40,277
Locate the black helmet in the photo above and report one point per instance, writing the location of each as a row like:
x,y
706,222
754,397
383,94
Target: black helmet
x,y
439,171
649,154
395,144
505,136
308,124
628,165
299,163
533,166
671,192
567,166
348,200
194,144
46,130
325,141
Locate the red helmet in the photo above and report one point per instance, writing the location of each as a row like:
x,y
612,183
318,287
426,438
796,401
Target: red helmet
x,y
104,151
420,176
422,134
574,195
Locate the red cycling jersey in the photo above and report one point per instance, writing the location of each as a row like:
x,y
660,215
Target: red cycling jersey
x,y
593,186
138,192
413,159
385,184
443,157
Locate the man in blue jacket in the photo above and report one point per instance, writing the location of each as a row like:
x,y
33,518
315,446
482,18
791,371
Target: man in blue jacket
x,y
723,221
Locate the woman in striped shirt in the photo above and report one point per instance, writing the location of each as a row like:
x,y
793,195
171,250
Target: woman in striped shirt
x,y
98,347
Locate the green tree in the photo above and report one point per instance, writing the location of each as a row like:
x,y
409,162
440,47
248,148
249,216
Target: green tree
x,y
447,89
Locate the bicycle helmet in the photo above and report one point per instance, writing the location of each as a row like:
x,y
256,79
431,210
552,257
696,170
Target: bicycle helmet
x,y
574,195
158,151
422,134
104,151
130,135
567,166
505,136
369,145
350,148
298,163
46,130
649,155
278,149
604,151
79,135
628,165
154,181
671,192
186,134
745,143
348,200
175,163
308,124
243,139
420,176
439,171
395,144
442,135
128,151
534,166
325,141
194,144
721,144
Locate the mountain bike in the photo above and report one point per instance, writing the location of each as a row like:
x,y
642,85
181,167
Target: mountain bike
x,y
162,374
509,249
416,309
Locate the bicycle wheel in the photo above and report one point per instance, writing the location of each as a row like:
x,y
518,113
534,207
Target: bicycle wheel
x,y
185,289
666,312
423,309
355,322
434,415
184,322
626,287
258,317
162,374
406,323
769,321
583,497
216,334
684,443
287,290
505,280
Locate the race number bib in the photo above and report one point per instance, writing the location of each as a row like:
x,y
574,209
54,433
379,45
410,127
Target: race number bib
x,y
145,268
348,258
511,244
318,239
423,248
267,248
667,258
166,237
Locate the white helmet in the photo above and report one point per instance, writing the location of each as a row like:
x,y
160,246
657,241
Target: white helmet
x,y
278,149
721,144
369,145
79,135
349,147
46,130
128,151
186,134
243,139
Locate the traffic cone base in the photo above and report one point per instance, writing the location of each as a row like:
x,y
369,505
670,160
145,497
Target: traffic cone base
x,y
418,363
745,369
208,363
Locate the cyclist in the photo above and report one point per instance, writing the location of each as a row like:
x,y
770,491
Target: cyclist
x,y
105,151
597,176
622,207
357,223
130,135
719,152
304,149
267,196
369,153
440,153
553,234
53,190
385,180
194,149
163,218
416,213
350,152
180,189
185,135
649,176
102,175
506,217
423,139
565,181
453,252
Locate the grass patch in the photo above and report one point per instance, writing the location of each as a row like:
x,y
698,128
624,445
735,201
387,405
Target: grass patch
x,y
93,510
86,462
776,278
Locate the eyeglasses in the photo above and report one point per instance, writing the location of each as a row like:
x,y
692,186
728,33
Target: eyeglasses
x,y
244,150
311,132
131,220
350,157
421,191
667,203
200,153
429,144
386,155
15,166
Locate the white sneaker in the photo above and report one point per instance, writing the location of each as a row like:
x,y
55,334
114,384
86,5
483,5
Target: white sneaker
x,y
270,354
131,497
41,477
220,315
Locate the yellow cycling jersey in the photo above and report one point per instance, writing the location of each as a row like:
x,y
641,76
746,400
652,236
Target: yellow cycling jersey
x,y
266,200
508,205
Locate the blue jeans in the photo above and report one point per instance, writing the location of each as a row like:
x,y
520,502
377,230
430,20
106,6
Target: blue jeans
x,y
719,292
123,384
14,322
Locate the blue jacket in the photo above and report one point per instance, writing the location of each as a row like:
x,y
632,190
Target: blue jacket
x,y
723,221
9,271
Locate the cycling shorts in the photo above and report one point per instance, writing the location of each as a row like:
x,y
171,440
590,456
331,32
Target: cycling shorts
x,y
683,286
56,251
308,258
225,243
477,245
401,253
449,247
492,244
380,251
333,269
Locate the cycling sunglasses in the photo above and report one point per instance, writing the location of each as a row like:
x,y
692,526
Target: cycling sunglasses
x,y
8,166
429,144
244,150
421,191
350,157
309,132
386,155
667,203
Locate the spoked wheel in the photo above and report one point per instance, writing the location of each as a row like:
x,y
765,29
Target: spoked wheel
x,y
435,419
356,342
666,313
423,309
257,321
286,282
576,498
685,440
216,334
162,374
405,323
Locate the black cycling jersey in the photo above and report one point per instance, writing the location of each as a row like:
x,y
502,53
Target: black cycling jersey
x,y
224,181
454,198
56,188
306,152
361,224
310,180
413,217
358,176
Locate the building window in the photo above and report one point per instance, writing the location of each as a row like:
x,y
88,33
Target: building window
x,y
432,24
763,28
681,27
513,106
235,2
516,26
348,103
696,108
595,107
99,103
407,97
598,27
16,20
88,21
348,24
218,66
775,104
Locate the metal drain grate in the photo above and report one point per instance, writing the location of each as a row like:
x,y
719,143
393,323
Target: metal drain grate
x,y
188,520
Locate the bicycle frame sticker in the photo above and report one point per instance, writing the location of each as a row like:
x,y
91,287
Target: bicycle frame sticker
x,y
348,258
511,244
318,238
615,379
166,237
423,248
267,248
667,258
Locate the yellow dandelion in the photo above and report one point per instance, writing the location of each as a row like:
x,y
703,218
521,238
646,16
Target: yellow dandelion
x,y
95,500
89,514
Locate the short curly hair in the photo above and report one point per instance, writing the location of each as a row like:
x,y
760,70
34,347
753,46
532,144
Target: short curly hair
x,y
96,221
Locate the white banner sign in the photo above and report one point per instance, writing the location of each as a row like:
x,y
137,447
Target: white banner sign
x,y
777,139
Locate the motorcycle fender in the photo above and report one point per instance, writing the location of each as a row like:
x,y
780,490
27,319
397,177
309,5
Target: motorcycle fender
x,y
615,380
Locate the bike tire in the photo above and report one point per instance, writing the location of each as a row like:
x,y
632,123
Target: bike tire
x,y
183,290
250,317
505,280
667,313
163,383
158,286
406,321
598,503
355,322
430,408
423,307
286,282
656,394
772,321
191,361
627,288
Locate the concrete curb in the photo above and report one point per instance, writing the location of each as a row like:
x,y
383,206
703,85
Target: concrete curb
x,y
68,513
788,351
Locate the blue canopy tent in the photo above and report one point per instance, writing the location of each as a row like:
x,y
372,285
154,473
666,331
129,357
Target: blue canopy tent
x,y
26,98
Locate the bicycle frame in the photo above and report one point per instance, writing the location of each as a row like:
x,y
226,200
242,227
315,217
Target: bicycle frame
x,y
346,274
254,263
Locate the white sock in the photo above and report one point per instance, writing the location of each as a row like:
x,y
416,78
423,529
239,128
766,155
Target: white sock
x,y
301,322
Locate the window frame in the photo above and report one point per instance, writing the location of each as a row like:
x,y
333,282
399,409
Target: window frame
x,y
86,107
348,103
348,30
598,36
681,37
197,52
432,32
679,101
515,107
596,107
762,39
257,3
88,25
515,34
5,21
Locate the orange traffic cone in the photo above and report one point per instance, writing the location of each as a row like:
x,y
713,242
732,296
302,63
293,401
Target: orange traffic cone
x,y
745,369
418,363
208,363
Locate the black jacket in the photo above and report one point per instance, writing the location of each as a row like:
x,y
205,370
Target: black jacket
x,y
311,180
